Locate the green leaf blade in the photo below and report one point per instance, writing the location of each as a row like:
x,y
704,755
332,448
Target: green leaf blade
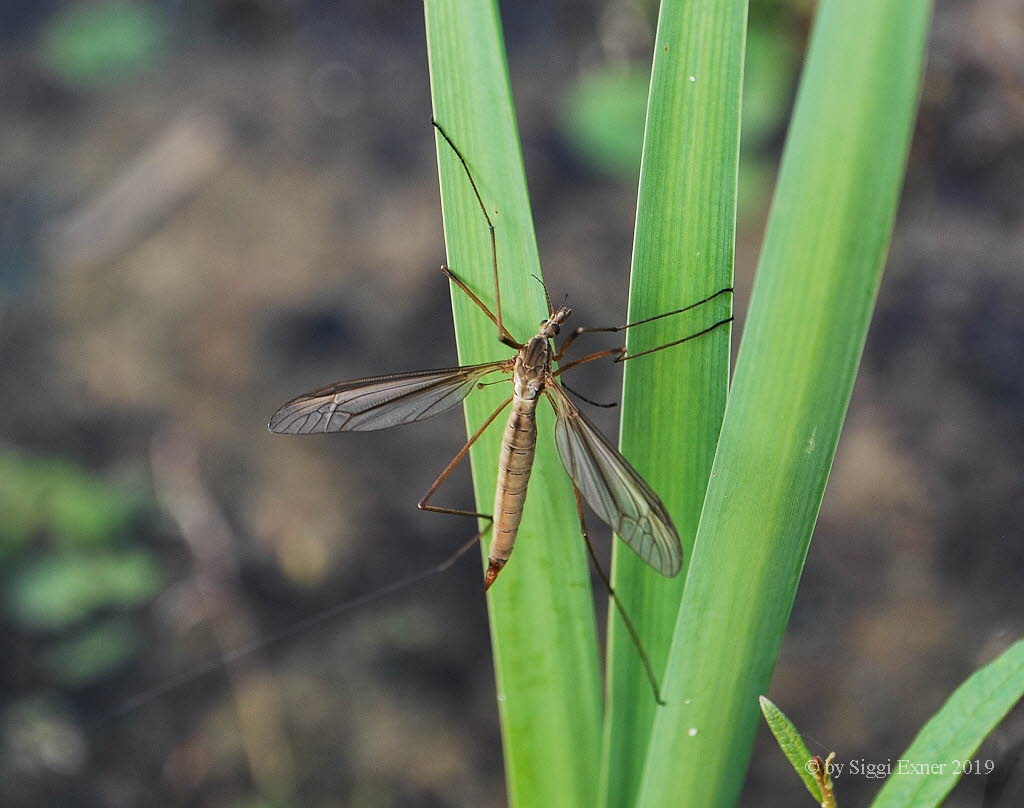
x,y
955,732
673,400
818,276
791,743
542,620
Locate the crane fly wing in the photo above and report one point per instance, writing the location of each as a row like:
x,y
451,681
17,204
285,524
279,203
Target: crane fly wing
x,y
613,488
378,402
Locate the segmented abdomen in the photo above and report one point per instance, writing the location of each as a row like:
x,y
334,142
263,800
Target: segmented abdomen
x,y
514,466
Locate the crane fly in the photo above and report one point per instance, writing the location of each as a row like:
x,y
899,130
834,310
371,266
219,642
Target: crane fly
x,y
600,474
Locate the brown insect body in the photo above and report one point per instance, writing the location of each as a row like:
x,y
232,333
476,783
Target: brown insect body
x,y
606,480
531,375
601,476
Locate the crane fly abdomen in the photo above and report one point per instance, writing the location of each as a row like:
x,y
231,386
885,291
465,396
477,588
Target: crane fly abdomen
x,y
531,371
518,445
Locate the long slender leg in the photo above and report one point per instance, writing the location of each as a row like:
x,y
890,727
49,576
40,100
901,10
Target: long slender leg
x,y
616,352
503,335
462,285
590,401
422,504
624,357
616,328
621,355
633,634
303,625
323,616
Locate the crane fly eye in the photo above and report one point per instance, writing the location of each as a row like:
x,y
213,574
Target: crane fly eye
x,y
555,328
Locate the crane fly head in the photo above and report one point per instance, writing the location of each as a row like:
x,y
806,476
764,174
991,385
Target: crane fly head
x,y
550,327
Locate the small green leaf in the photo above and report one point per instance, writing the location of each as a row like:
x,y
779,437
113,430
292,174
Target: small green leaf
x,y
954,733
791,744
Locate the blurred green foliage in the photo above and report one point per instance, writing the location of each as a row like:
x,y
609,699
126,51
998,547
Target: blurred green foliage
x,y
56,496
91,653
769,77
769,80
68,565
94,44
61,589
604,110
604,119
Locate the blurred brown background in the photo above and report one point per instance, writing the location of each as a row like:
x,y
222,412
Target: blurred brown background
x,y
211,206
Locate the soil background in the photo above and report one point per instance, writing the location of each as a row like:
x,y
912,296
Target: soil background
x,y
226,203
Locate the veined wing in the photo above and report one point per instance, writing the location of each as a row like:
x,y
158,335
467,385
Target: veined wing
x,y
378,402
613,488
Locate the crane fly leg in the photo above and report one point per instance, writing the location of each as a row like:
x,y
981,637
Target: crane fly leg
x,y
621,355
503,334
624,356
633,634
507,338
616,352
581,397
616,328
422,504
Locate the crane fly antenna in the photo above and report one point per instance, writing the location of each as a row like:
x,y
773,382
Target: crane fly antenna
x,y
551,309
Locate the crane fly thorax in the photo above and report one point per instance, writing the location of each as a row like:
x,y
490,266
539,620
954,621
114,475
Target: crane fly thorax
x,y
532,367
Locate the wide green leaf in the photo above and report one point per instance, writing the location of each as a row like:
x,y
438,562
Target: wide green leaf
x,y
817,280
673,400
542,619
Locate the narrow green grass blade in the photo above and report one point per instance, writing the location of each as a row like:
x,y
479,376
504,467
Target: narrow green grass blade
x,y
791,743
673,400
954,733
542,618
819,272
